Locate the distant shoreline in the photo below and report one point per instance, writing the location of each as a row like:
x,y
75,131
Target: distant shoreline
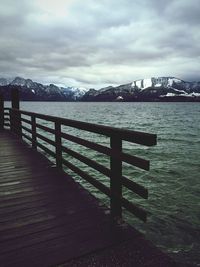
x,y
107,101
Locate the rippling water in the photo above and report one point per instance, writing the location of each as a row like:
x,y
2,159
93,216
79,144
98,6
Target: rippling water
x,y
173,182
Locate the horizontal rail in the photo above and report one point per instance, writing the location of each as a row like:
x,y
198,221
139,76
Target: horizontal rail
x,y
104,189
45,128
102,149
138,189
27,137
26,121
49,141
137,211
127,135
7,124
87,161
26,129
114,152
133,160
50,152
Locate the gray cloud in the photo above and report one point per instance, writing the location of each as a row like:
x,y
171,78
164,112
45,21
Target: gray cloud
x,y
97,43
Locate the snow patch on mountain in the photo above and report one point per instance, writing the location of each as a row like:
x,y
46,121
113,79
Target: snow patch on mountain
x,y
155,82
195,94
4,81
74,92
142,84
80,90
173,80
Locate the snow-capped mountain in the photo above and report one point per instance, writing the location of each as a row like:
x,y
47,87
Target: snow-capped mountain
x,y
23,82
167,82
150,89
74,92
30,90
4,81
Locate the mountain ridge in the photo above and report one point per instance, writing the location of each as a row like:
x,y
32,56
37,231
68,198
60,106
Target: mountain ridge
x,y
34,91
166,88
150,89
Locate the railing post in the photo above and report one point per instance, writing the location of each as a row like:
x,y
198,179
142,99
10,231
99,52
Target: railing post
x,y
115,179
33,129
15,98
58,144
11,120
1,112
15,121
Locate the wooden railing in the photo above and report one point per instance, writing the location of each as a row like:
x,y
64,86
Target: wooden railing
x,y
15,120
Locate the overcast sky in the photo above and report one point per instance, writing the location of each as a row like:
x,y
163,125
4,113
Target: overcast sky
x,y
95,43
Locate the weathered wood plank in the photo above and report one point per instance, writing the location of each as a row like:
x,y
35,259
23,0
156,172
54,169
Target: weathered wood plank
x,y
46,218
1,112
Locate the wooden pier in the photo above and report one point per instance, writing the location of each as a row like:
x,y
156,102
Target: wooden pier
x,y
48,219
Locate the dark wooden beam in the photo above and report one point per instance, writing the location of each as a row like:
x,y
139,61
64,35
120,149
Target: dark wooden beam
x,y
1,112
15,115
15,98
33,128
58,142
116,179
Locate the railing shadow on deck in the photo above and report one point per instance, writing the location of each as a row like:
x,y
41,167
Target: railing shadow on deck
x,y
25,125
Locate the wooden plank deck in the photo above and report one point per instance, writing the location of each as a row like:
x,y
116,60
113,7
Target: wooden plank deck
x,y
47,219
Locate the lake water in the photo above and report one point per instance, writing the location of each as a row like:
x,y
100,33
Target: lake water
x,y
173,182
